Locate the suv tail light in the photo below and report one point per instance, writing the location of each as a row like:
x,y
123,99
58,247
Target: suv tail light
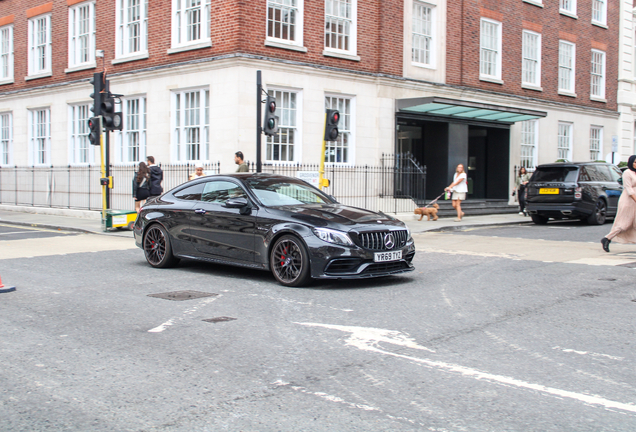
x,y
578,193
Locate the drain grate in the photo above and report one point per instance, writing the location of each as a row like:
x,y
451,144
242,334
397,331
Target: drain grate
x,y
182,295
219,319
608,279
628,265
590,295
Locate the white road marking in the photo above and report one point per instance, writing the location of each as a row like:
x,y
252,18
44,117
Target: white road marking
x,y
367,339
173,321
588,353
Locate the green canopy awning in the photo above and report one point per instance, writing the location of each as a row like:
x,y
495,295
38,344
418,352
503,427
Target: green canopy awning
x,y
466,110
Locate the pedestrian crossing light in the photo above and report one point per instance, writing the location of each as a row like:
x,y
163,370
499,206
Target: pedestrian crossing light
x,y
331,126
95,130
270,122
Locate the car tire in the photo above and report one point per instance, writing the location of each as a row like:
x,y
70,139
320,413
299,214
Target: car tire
x,y
157,247
538,219
289,261
599,215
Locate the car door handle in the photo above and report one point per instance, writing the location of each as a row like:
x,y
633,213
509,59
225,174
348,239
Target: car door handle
x,y
200,211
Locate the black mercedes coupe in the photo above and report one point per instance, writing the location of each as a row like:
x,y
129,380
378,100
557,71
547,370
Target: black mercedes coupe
x,y
268,221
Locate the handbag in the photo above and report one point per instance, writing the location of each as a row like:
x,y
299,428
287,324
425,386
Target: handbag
x,y
514,192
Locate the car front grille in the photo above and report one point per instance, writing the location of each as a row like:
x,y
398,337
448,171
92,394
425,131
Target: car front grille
x,y
376,240
343,265
386,267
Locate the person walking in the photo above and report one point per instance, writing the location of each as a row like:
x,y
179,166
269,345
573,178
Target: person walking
x,y
156,177
140,185
522,179
624,227
238,159
198,171
459,188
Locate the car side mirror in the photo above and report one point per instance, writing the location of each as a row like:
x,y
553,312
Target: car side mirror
x,y
240,203
620,181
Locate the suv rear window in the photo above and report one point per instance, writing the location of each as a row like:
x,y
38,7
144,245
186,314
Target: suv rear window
x,y
554,174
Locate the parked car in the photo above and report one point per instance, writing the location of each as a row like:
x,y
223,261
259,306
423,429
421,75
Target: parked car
x,y
587,190
273,222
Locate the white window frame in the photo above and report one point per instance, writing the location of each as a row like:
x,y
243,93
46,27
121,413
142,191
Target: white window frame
x,y
567,7
599,12
181,30
597,74
6,54
78,143
346,128
290,120
596,142
181,124
293,8
6,139
531,61
81,38
134,112
565,68
130,21
423,30
564,141
43,48
39,137
485,50
352,21
529,143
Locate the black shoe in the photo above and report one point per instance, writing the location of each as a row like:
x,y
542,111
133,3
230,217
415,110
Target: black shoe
x,y
605,242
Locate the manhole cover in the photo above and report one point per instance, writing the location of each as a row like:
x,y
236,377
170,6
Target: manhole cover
x,y
219,319
182,295
628,265
589,295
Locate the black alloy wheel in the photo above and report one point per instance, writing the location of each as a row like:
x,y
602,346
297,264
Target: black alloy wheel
x,y
289,261
538,219
157,247
599,215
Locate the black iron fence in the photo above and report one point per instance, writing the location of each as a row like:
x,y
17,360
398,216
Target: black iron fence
x,y
396,185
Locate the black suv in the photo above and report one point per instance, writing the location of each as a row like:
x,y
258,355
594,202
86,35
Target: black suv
x,y
588,190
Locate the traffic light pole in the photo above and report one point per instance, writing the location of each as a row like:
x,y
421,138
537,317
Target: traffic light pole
x,y
259,90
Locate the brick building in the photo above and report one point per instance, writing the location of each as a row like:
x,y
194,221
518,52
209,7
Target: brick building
x,y
491,84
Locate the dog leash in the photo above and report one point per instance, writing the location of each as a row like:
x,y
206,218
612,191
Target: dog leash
x,y
435,200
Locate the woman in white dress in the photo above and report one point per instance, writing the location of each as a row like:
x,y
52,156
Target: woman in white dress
x,y
459,187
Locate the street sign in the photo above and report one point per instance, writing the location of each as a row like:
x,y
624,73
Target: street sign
x,y
311,177
615,143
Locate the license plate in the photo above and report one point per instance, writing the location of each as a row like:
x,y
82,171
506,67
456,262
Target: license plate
x,y
387,256
549,191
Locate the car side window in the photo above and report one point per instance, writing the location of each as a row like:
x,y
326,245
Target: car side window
x,y
191,193
615,173
220,191
604,173
584,175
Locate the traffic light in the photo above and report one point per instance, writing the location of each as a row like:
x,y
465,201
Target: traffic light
x,y
270,122
331,126
95,130
112,119
98,92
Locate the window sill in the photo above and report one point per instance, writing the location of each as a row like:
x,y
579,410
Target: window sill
x,y
37,76
82,67
490,79
345,56
287,46
532,87
7,81
567,93
423,66
568,13
130,58
534,3
598,99
599,24
190,47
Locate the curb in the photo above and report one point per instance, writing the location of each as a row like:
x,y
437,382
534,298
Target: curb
x,y
59,227
461,227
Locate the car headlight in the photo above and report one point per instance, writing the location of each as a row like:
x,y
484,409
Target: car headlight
x,y
408,232
333,236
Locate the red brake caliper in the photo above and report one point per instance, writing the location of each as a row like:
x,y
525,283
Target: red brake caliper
x,y
282,257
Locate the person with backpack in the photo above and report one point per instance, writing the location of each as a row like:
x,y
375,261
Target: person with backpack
x,y
156,177
140,185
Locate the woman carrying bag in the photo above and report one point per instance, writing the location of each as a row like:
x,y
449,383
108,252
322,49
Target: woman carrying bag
x,y
140,185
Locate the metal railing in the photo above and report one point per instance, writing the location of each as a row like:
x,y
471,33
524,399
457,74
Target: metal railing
x,y
397,185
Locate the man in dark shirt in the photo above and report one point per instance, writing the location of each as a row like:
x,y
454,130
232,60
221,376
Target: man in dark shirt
x,y
156,177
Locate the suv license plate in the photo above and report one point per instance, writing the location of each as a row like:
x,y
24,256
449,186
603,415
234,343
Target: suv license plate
x,y
387,256
549,191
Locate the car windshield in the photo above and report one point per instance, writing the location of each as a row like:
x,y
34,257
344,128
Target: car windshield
x,y
554,174
281,192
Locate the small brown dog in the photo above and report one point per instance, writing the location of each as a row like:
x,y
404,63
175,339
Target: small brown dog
x,y
427,211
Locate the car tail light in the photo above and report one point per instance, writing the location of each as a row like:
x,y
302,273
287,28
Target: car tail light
x,y
578,193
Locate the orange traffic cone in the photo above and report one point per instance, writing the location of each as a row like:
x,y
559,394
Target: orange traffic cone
x,y
4,289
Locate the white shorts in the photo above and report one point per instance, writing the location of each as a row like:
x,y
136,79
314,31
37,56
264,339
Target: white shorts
x,y
458,196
